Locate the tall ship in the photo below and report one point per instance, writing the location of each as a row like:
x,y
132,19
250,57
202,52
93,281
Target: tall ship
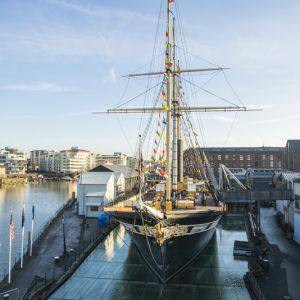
x,y
177,207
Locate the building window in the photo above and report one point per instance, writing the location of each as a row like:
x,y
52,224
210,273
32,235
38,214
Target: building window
x,y
94,208
263,157
219,157
241,157
271,164
248,157
279,164
226,157
271,157
233,157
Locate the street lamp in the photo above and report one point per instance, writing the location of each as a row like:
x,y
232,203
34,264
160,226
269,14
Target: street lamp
x,y
64,234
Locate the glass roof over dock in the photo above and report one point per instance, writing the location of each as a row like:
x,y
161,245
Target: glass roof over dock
x,y
115,270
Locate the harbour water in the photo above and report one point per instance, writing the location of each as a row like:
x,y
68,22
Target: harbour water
x,y
115,270
48,198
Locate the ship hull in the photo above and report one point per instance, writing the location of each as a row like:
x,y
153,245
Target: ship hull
x,y
175,253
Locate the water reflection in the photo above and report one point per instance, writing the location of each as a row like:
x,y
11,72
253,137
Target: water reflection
x,y
48,198
121,272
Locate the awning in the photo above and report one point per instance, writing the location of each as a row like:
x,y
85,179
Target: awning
x,y
94,203
95,194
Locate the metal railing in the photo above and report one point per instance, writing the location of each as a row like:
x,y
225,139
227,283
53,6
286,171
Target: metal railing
x,y
250,195
13,294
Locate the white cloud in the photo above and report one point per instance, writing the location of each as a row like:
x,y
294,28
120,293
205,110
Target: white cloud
x,y
98,11
35,87
224,119
55,41
278,120
110,77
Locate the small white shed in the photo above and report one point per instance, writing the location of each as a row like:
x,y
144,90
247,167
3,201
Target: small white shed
x,y
94,190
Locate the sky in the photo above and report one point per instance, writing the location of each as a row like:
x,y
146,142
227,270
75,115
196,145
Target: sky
x,y
61,60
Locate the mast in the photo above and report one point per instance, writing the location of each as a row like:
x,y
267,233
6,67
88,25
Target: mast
x,y
179,145
175,118
169,116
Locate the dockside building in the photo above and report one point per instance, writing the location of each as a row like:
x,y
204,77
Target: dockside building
x,y
244,157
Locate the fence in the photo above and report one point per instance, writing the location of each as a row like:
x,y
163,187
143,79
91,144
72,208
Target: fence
x,y
251,196
10,295
44,286
36,237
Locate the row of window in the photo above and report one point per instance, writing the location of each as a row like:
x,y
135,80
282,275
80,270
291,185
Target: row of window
x,y
249,164
242,157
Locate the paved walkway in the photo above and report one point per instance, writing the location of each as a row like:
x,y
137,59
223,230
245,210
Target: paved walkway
x,y
50,245
284,275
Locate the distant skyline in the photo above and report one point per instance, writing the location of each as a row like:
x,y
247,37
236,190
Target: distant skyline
x,y
60,60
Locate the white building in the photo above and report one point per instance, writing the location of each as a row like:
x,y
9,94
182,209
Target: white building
x,y
2,170
50,162
94,190
290,210
126,177
69,161
14,160
297,211
116,159
35,158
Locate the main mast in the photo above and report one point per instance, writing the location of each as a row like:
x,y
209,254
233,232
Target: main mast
x,y
169,116
175,117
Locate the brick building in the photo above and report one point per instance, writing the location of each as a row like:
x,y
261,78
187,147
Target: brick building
x,y
246,157
292,150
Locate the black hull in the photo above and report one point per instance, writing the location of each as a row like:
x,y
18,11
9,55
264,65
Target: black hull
x,y
169,257
174,255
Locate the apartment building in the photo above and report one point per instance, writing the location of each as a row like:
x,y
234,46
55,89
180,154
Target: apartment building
x,y
35,159
14,160
115,159
76,160
69,161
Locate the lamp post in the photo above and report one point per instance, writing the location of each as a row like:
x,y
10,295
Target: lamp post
x,y
64,234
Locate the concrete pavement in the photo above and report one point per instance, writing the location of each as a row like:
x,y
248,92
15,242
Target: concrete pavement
x,y
283,276
42,264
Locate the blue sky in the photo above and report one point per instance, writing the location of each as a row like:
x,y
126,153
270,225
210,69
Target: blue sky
x,y
60,60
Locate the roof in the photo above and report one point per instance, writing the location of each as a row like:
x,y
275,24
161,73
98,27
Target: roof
x,y
294,145
288,176
125,170
95,178
243,149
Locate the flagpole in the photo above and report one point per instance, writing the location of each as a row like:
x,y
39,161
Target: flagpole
x,y
23,227
9,260
31,233
11,233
